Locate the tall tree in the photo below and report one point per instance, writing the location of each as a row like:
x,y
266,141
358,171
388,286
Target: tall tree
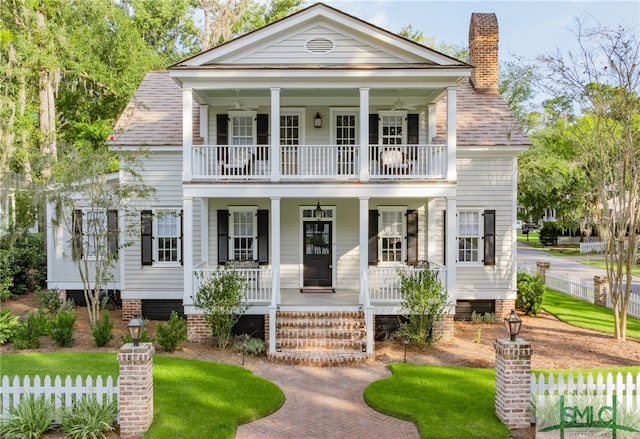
x,y
602,80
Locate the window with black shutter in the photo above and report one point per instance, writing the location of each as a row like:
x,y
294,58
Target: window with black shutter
x,y
77,241
146,237
222,135
412,237
489,237
263,237
112,233
373,237
223,236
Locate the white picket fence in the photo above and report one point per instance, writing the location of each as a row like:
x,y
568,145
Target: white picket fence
x,y
626,388
63,393
592,247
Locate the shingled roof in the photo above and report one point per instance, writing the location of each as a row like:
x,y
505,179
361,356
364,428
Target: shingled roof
x,y
153,117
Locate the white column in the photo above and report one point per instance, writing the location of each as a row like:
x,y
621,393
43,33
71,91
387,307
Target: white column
x,y
431,122
51,230
274,156
431,229
187,132
204,124
452,250
364,247
204,229
364,134
187,246
451,134
275,269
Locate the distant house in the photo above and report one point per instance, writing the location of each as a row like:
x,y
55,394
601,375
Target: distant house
x,y
319,156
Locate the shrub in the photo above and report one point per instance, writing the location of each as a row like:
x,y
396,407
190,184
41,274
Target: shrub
x,y
102,330
424,298
8,325
29,419
219,298
26,259
6,282
249,345
62,327
89,419
530,293
549,233
50,300
27,334
172,334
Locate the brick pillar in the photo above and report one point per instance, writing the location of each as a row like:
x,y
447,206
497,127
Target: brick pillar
x,y
266,329
131,307
443,328
197,328
513,382
136,389
503,308
541,269
600,290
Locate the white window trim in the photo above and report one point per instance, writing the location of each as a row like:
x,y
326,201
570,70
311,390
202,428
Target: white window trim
x,y
300,112
480,261
403,114
403,222
101,229
350,111
254,125
253,210
334,256
154,227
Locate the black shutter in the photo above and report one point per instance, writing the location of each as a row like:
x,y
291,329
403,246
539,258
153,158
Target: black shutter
x,y
182,237
412,237
77,241
146,235
263,237
262,129
412,129
489,237
444,237
373,237
112,233
223,236
222,135
373,129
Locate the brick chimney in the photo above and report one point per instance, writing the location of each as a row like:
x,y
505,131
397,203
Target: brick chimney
x,y
483,52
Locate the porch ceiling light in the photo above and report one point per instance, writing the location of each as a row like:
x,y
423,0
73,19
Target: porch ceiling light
x,y
317,121
513,323
317,212
135,327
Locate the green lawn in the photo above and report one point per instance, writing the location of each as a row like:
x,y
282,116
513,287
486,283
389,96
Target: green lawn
x,y
532,240
600,263
192,398
585,315
444,402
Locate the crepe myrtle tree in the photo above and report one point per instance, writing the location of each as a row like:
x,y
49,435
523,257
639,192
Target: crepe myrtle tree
x,y
602,81
88,203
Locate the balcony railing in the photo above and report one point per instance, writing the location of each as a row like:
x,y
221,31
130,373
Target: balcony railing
x,y
257,285
384,283
318,162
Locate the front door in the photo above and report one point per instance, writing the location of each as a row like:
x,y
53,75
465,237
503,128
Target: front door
x,y
317,253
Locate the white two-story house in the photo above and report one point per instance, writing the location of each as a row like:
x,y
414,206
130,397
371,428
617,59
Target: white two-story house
x,y
318,156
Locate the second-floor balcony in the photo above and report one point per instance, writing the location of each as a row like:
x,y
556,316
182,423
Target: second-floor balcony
x,y
319,162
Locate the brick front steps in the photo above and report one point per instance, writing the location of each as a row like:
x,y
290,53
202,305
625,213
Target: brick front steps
x,y
320,338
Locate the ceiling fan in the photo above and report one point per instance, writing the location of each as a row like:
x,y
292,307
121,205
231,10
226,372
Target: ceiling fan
x,y
238,105
399,105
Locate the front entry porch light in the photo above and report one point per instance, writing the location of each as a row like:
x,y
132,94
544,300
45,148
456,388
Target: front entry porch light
x,y
513,323
317,121
317,212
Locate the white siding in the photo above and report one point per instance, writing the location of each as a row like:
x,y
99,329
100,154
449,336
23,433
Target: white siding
x,y
163,171
487,183
346,50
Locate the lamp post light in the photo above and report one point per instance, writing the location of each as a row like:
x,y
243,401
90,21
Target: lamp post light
x,y
405,343
317,212
135,327
513,323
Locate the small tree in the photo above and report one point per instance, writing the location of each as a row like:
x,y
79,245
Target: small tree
x,y
425,299
220,297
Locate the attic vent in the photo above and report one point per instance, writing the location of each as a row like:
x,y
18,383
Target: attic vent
x,y
318,46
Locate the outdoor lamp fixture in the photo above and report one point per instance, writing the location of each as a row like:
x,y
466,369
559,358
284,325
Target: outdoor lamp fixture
x,y
317,121
513,323
135,326
317,212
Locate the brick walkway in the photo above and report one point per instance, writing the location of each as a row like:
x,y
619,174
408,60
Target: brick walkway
x,y
325,403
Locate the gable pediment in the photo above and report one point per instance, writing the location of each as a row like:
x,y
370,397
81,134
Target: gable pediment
x,y
320,35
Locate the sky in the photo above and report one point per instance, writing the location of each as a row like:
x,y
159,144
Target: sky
x,y
527,28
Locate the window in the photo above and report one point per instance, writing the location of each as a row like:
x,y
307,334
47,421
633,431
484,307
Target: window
x,y
391,128
468,235
290,129
161,237
167,236
243,234
391,235
95,230
242,129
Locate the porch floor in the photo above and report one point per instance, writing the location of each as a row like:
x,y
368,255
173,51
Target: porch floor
x,y
341,297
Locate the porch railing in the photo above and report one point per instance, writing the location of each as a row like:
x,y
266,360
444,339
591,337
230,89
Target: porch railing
x,y
257,286
384,283
318,162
